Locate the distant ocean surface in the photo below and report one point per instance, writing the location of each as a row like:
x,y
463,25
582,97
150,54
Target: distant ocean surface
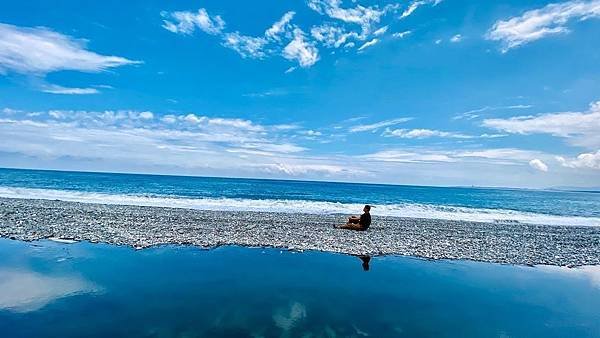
x,y
452,203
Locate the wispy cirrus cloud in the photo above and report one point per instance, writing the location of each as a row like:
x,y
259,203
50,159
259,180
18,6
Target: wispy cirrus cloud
x,y
493,155
281,27
246,46
536,24
182,141
364,16
579,128
210,145
475,113
378,125
56,89
415,5
428,133
38,51
281,37
368,44
352,26
333,36
400,35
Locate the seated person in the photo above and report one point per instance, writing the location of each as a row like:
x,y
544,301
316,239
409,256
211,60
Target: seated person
x,y
359,223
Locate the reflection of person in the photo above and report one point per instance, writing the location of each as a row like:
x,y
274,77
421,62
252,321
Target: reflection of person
x,y
359,223
365,261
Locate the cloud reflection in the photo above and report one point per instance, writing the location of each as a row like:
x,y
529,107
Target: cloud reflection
x,y
27,291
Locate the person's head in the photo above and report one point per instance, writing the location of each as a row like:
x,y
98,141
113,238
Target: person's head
x,y
367,208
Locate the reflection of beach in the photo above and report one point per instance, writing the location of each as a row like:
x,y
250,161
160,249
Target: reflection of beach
x,y
26,291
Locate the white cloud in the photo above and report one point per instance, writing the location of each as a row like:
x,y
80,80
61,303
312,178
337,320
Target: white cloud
x,y
400,35
580,128
427,133
301,50
585,160
40,51
403,156
268,93
333,36
456,38
56,89
303,169
186,142
235,123
475,113
416,4
378,125
282,37
186,22
197,144
169,119
246,46
146,115
280,27
289,40
312,133
368,44
510,154
410,9
366,17
538,23
380,31
496,156
538,164
286,127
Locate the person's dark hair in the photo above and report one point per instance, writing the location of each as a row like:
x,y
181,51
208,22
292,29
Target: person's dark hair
x,y
368,207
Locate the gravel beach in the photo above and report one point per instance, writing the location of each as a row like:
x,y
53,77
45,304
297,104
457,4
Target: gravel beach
x,y
140,227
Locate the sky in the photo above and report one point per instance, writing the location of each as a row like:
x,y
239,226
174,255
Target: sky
x,y
426,92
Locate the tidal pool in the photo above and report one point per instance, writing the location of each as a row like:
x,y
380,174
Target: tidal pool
x,y
50,289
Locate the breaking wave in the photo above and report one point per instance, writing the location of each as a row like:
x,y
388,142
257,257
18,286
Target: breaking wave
x,y
412,210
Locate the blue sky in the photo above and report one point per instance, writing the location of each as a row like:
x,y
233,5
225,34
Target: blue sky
x,y
426,92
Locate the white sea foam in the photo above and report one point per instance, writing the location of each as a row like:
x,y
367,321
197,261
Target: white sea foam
x,y
413,210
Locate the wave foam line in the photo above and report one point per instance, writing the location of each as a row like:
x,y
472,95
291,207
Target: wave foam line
x,y
411,210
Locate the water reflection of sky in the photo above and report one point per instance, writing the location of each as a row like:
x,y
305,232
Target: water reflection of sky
x,y
56,289
25,291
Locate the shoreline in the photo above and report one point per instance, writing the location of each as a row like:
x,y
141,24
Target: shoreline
x,y
141,227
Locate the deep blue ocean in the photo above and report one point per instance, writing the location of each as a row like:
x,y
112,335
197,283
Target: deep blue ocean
x,y
461,203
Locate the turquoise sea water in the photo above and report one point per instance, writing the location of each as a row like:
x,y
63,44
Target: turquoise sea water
x,y
475,204
52,289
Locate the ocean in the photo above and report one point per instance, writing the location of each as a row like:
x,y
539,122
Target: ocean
x,y
548,207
